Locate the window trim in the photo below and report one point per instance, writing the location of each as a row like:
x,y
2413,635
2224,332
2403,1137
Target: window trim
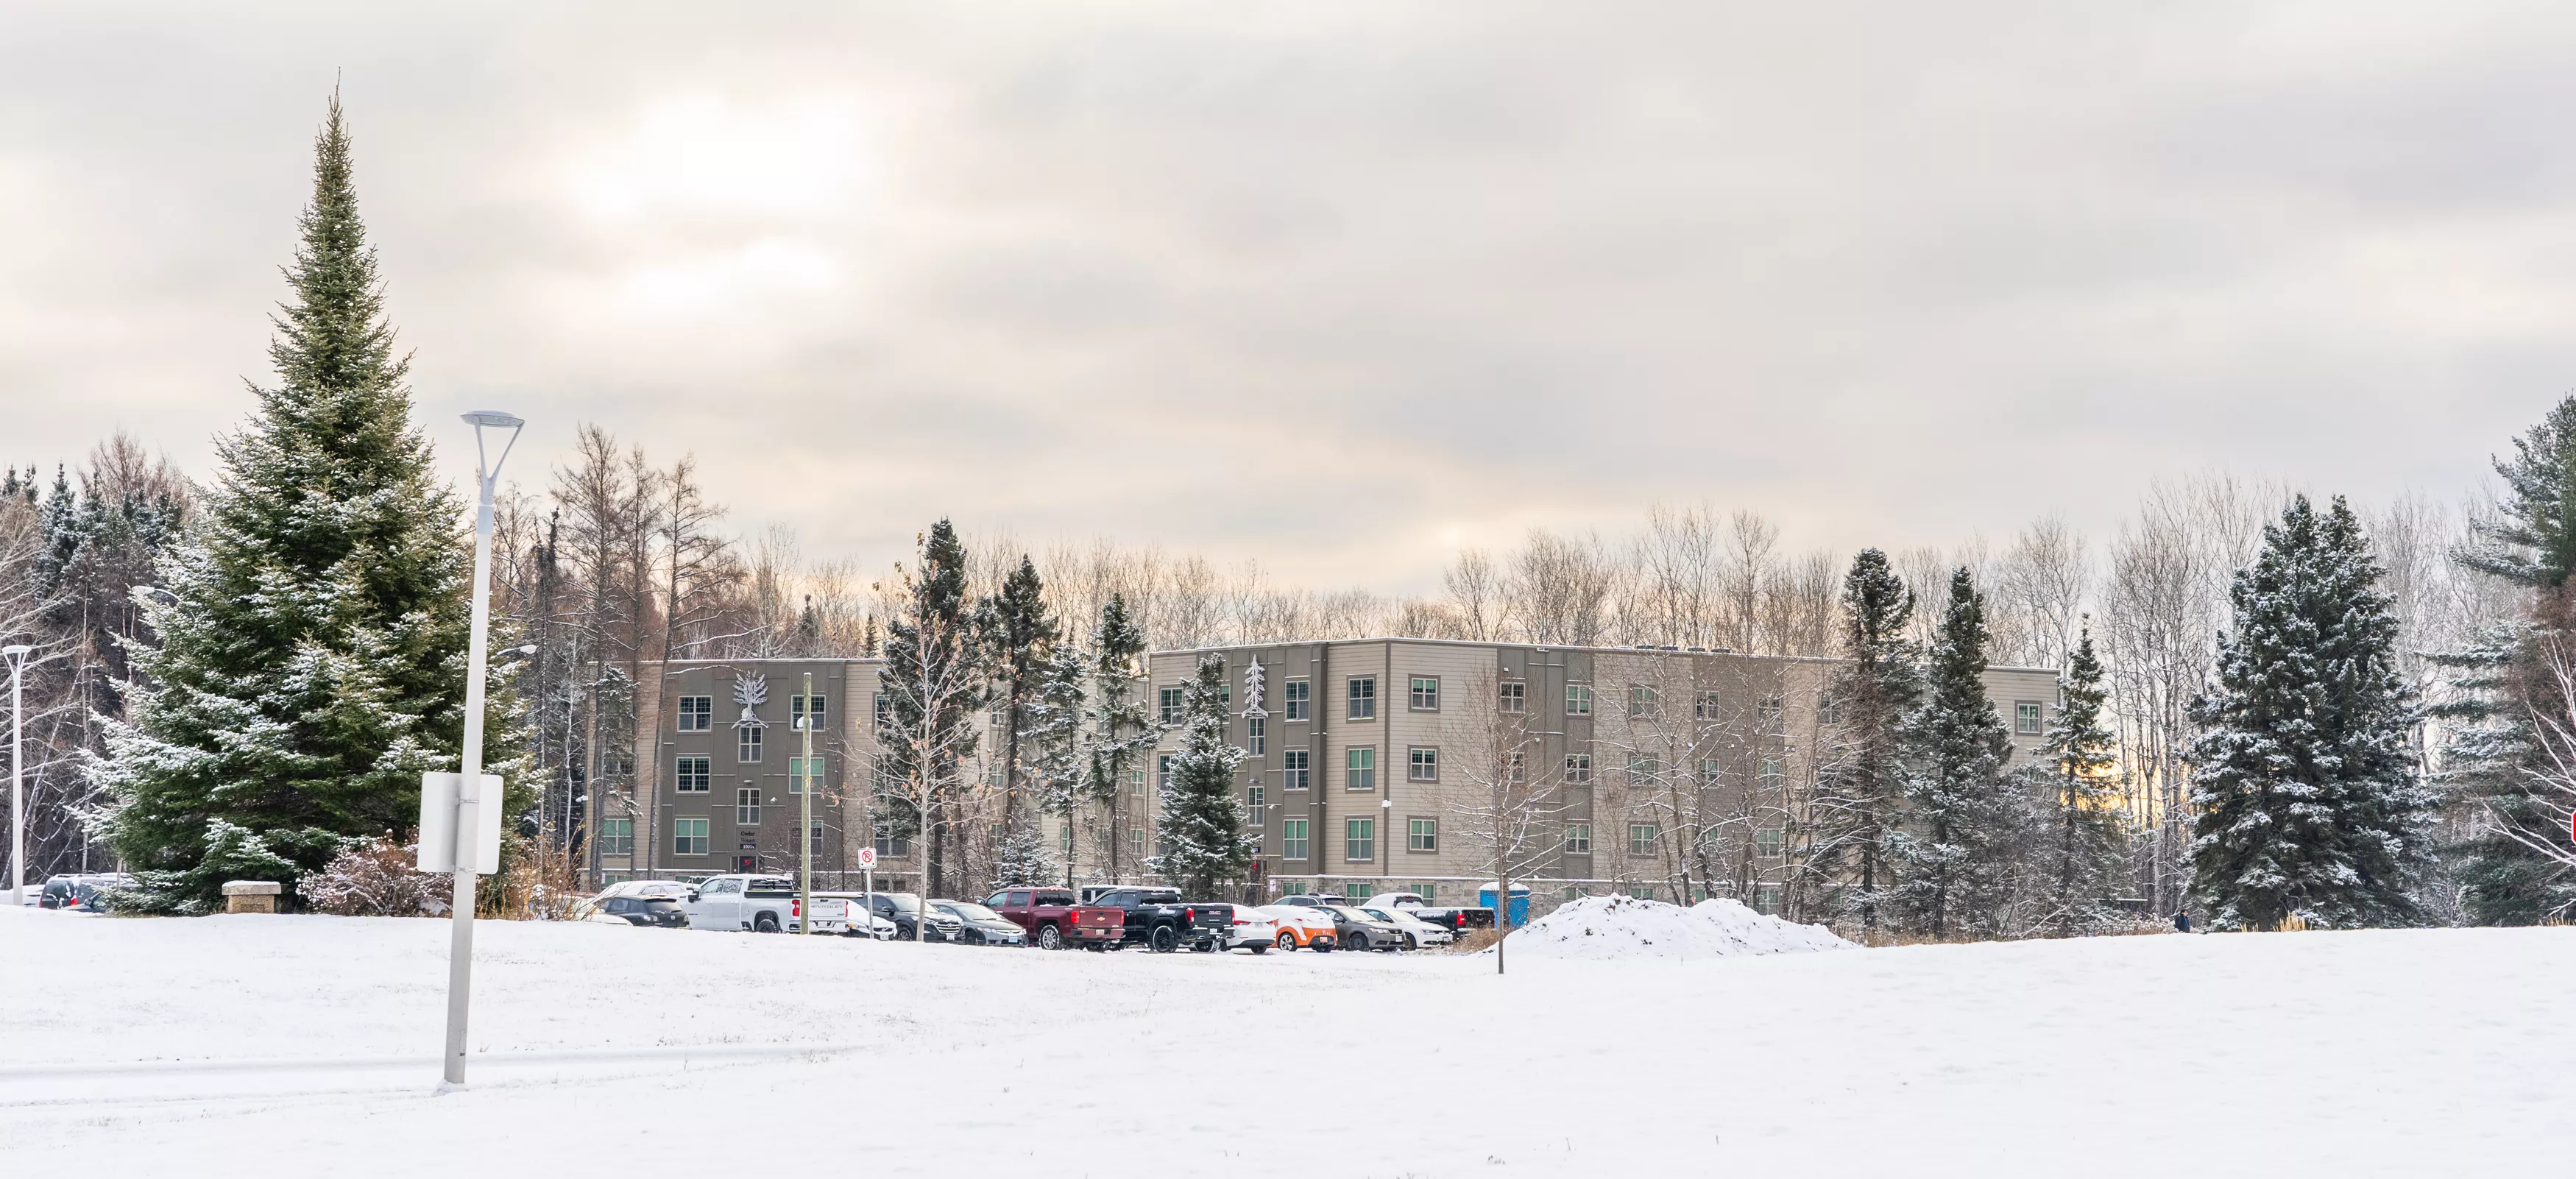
x,y
1297,698
681,829
1359,839
753,807
1413,693
1578,700
681,775
704,713
1360,690
748,739
1354,754
1417,839
1296,769
2038,718
1578,775
1578,839
1512,698
1414,761
1294,840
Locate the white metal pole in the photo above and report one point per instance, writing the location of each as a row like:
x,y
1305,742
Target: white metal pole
x,y
17,800
469,792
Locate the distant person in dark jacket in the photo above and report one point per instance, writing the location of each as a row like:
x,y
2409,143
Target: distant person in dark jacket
x,y
2182,920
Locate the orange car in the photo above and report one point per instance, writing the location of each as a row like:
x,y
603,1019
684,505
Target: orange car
x,y
1301,927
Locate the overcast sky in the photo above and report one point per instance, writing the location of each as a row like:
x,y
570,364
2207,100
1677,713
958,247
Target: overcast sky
x,y
1337,286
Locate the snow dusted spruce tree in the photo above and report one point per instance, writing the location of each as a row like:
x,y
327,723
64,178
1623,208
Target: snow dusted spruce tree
x,y
1121,734
1965,821
2492,758
1018,630
933,682
1063,769
1201,824
2083,846
2305,788
313,666
1860,788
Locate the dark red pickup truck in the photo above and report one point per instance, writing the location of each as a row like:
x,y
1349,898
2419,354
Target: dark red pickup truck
x,y
1054,919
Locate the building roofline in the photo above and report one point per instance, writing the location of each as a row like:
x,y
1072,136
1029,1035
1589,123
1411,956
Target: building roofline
x,y
1588,647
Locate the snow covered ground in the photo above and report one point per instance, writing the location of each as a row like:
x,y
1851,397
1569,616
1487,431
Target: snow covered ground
x,y
1602,929
2395,1053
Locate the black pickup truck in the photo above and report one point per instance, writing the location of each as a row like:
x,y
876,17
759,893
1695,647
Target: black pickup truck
x,y
1159,920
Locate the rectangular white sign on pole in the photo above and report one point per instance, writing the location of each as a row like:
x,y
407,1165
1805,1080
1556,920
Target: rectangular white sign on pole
x,y
438,807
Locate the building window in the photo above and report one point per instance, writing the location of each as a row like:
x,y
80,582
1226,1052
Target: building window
x,y
1516,769
697,713
885,713
889,845
1292,769
1064,836
617,837
692,776
1253,798
1641,839
1711,773
1766,842
1829,711
1359,769
1292,839
1643,771
1515,697
1427,889
1422,835
1643,702
746,744
1766,898
1578,700
1296,694
1422,765
1578,839
1578,769
1255,742
1363,697
1643,892
799,768
1169,706
1425,696
1770,773
1136,843
814,835
1163,772
1359,840
1705,708
1769,714
805,712
689,837
1136,781
2026,717
746,806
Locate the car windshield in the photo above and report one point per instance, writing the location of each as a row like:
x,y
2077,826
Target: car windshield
x,y
1380,914
1052,898
659,904
971,911
1159,898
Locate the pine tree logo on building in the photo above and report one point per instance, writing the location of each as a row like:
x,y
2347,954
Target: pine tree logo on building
x,y
1253,682
750,692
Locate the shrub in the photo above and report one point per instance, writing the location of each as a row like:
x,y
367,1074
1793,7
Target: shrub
x,y
374,878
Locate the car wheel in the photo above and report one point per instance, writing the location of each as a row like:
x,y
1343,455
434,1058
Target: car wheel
x,y
764,924
1287,941
1050,938
1410,944
1164,940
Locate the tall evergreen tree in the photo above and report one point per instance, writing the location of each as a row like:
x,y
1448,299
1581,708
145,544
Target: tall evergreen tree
x,y
2084,853
2488,749
2304,783
1061,766
933,683
1860,786
314,664
1965,822
1123,731
1201,820
1018,629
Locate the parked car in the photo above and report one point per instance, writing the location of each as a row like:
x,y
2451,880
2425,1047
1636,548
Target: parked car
x,y
762,904
904,909
1301,927
1417,932
1159,920
1054,919
1313,900
862,922
677,890
1254,930
979,926
78,890
1456,919
657,912
1355,930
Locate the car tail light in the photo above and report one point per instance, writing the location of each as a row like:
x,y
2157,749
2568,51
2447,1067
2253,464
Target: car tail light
x,y
1189,916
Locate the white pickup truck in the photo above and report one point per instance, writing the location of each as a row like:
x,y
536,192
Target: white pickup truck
x,y
762,904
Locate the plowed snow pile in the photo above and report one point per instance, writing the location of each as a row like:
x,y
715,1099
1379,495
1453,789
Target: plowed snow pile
x,y
1625,927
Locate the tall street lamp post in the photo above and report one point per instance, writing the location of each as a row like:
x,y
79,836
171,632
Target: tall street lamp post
x,y
17,654
469,796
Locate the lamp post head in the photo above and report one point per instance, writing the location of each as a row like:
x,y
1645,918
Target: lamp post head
x,y
16,650
486,468
493,417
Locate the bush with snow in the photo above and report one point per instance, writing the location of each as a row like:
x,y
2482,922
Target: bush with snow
x,y
1626,927
374,878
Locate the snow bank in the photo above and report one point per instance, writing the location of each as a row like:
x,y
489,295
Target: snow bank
x,y
1599,928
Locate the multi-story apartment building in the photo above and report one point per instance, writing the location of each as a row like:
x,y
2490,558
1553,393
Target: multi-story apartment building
x,y
1377,765
1373,765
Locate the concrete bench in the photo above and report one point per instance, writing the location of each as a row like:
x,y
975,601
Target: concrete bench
x,y
251,896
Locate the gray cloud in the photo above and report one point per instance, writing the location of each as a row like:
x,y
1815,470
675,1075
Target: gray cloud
x,y
1327,284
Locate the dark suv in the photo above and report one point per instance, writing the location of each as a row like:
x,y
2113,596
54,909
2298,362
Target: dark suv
x,y
658,912
1159,920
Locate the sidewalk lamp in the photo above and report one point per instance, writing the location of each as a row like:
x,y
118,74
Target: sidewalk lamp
x,y
471,822
17,655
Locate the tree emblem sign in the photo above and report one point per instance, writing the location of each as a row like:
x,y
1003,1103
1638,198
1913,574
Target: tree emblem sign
x,y
750,692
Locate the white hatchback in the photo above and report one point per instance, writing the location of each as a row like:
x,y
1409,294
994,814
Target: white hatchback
x,y
1417,932
1254,930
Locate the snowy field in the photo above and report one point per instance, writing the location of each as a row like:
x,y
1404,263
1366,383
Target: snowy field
x,y
605,1051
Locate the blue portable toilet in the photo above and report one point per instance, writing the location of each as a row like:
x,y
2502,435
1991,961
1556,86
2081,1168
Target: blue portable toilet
x,y
1520,902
